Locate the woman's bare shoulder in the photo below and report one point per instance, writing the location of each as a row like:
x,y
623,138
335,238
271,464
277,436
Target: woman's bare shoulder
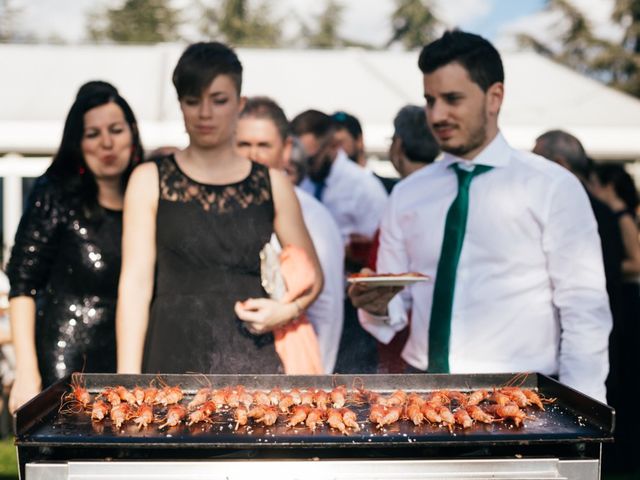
x,y
144,181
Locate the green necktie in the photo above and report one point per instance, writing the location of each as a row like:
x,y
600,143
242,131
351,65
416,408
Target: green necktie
x,y
443,290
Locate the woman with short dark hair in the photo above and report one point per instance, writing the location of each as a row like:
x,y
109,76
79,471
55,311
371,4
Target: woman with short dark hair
x,y
191,298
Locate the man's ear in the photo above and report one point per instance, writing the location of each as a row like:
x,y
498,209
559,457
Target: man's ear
x,y
495,96
242,103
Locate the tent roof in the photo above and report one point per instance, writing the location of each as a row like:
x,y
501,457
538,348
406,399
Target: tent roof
x,y
39,82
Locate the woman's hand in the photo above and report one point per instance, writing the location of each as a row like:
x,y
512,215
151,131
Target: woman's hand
x,y
25,387
264,315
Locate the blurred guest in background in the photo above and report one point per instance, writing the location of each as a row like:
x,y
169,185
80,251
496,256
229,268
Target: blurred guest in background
x,y
353,196
65,262
412,145
356,200
263,136
349,136
614,186
567,151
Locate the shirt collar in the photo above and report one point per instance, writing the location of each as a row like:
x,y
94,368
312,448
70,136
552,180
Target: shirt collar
x,y
496,154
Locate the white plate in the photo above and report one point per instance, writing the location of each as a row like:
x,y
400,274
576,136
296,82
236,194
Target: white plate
x,y
384,281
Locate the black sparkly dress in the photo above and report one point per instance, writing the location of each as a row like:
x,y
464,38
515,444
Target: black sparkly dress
x,y
70,265
208,240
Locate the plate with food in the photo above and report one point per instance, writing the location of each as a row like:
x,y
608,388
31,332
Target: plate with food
x,y
388,279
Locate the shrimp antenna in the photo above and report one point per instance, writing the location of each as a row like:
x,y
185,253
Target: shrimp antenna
x,y
517,380
202,379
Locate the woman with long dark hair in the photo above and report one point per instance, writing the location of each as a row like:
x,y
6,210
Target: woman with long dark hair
x,y
65,262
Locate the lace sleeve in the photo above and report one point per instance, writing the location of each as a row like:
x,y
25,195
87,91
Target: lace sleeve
x,y
36,241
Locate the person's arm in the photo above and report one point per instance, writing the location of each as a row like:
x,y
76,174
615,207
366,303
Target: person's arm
x,y
574,261
36,246
138,263
264,314
631,241
382,312
327,312
28,382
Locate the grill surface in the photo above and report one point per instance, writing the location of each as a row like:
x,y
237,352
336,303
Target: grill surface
x,y
573,418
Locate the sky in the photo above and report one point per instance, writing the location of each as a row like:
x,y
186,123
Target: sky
x,y
363,20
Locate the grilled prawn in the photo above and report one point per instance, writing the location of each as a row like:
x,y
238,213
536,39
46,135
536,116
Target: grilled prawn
x,y
175,414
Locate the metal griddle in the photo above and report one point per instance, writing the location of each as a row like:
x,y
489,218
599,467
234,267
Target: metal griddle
x,y
573,419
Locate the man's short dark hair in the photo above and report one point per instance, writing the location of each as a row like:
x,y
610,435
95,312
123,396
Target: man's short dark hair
x,y
317,123
558,143
267,108
348,122
411,127
476,54
201,63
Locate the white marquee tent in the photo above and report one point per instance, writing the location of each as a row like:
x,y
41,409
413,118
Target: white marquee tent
x,y
38,83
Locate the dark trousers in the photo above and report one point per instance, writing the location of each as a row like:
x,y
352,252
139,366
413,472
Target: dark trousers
x,y
358,350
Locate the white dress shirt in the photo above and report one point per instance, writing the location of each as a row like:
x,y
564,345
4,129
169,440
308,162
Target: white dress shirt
x,y
530,288
354,196
326,313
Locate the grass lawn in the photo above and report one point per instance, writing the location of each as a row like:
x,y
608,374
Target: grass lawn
x,y
8,461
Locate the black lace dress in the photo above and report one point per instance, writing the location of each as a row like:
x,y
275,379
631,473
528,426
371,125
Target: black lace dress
x,y
208,241
70,265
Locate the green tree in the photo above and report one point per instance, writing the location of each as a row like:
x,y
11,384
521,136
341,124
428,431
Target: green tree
x,y
137,21
623,61
9,15
616,64
235,22
413,23
325,32
627,12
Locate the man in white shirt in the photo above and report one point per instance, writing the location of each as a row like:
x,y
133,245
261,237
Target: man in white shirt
x,y
262,136
526,288
348,133
356,199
